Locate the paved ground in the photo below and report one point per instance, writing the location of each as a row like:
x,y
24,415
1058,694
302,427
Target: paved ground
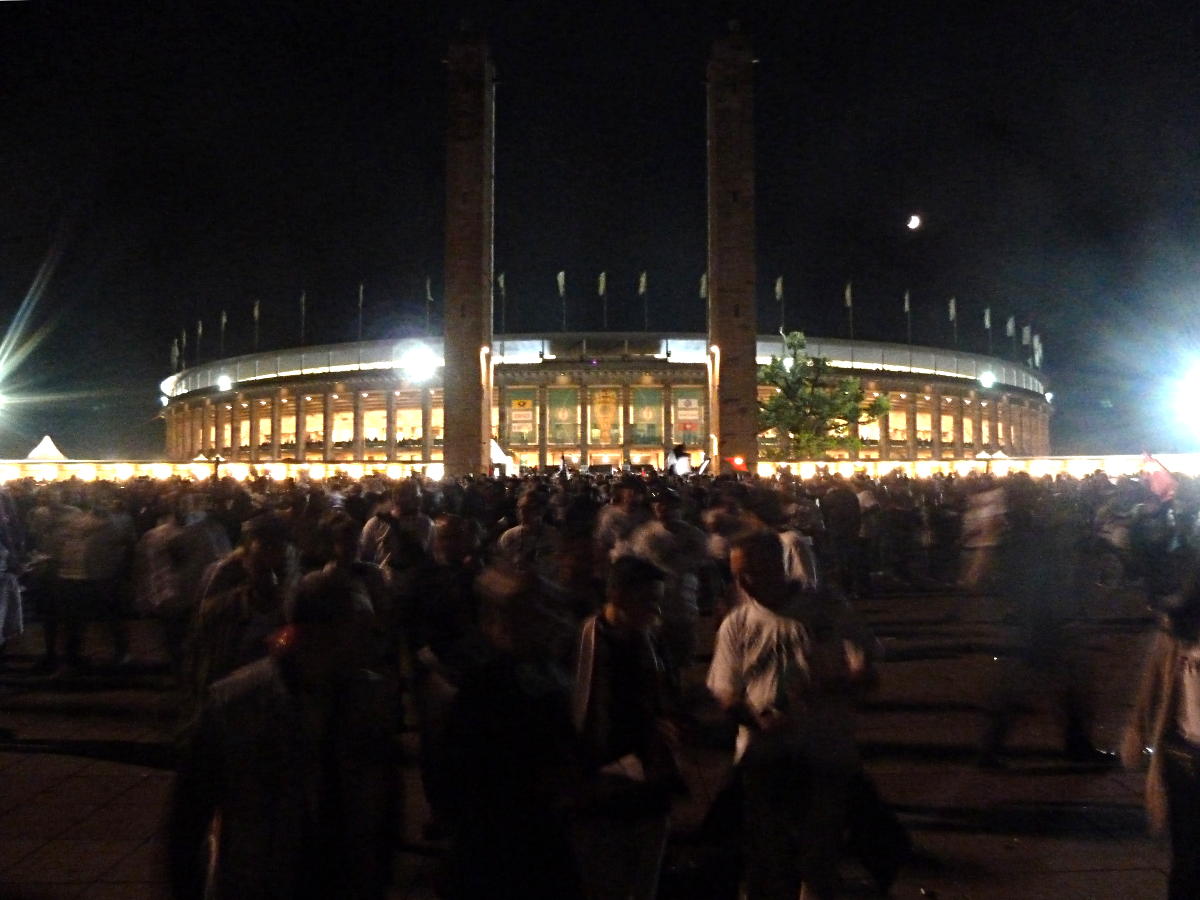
x,y
84,770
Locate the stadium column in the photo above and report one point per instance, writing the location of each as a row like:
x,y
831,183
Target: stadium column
x,y
543,427
301,427
467,404
958,427
885,436
235,427
205,434
427,426
626,423
731,248
935,423
327,426
254,414
977,422
668,418
585,431
389,425
994,426
360,448
910,426
276,422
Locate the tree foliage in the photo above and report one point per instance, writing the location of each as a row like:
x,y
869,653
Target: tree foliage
x,y
811,409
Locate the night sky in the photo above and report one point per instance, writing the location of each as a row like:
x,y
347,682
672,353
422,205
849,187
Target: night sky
x,y
163,163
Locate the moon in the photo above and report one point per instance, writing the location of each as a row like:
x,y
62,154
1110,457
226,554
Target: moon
x,y
914,222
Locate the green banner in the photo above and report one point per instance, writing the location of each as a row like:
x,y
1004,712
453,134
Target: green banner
x,y
563,406
522,416
647,414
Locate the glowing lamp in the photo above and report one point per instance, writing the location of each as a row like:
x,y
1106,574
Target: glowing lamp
x,y
224,383
987,379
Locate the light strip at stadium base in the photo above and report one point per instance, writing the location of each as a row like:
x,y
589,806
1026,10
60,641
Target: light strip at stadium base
x,y
1038,467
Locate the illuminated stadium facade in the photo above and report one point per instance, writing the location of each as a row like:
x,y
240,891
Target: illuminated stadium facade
x,y
593,399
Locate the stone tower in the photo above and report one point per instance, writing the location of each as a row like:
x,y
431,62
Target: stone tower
x,y
470,170
731,265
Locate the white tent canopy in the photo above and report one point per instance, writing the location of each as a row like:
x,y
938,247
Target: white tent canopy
x,y
46,450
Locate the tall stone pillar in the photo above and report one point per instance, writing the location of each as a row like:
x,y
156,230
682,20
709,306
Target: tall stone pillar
x,y
389,425
910,427
301,427
668,419
360,447
585,425
467,402
276,423
543,427
994,419
976,423
327,427
958,427
626,423
885,436
255,427
935,423
731,248
427,426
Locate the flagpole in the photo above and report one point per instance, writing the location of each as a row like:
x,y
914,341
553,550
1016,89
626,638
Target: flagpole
x,y
303,313
222,335
562,295
645,302
256,314
908,327
428,307
782,305
360,314
503,304
199,336
602,290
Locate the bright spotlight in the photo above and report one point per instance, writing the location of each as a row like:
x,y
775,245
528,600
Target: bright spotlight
x,y
163,400
987,379
224,382
1049,396
419,363
914,222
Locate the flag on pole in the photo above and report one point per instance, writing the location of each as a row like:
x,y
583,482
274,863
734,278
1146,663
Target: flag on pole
x,y
174,353
199,330
257,304
907,303
779,289
987,318
953,310
360,309
1026,330
704,286
602,284
428,290
303,309
849,295
642,285
1037,350
500,281
1010,327
256,311
561,278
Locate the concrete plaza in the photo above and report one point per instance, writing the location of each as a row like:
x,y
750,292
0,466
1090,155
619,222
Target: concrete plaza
x,y
85,770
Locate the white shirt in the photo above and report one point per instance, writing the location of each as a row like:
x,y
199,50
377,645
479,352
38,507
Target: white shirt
x,y
760,659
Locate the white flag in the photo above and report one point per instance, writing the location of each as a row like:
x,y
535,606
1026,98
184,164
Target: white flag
x,y
199,330
256,311
907,305
1010,327
779,289
849,295
1025,332
500,282
602,284
987,318
561,278
704,286
642,285
429,290
953,310
224,319
175,353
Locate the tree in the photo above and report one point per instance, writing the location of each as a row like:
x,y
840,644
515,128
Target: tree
x,y
811,408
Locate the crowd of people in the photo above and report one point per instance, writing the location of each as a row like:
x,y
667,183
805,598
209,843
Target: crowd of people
x,y
539,633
